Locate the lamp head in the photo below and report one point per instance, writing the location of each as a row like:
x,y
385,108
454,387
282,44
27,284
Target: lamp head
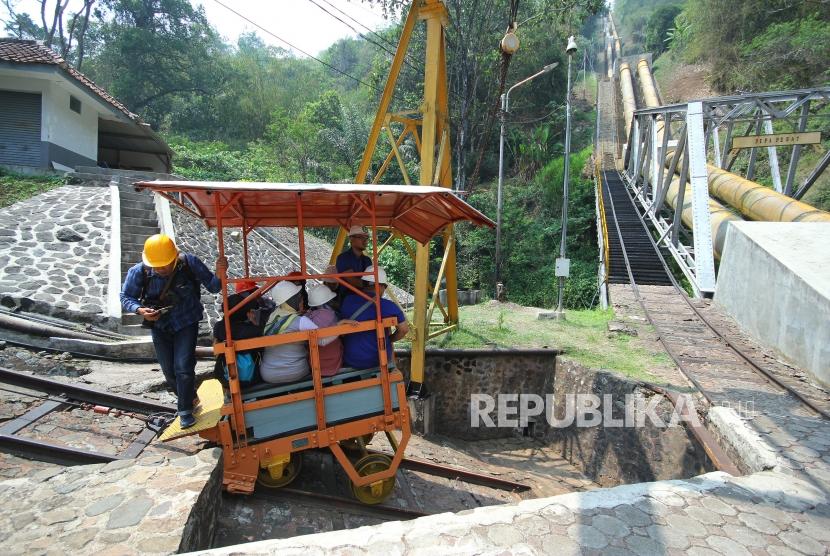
x,y
549,67
571,48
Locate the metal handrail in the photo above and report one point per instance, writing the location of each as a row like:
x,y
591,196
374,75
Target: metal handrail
x,y
604,223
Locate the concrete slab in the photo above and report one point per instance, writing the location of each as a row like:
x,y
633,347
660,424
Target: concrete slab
x,y
774,282
710,514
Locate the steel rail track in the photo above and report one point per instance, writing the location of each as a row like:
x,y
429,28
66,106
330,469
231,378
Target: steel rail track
x,y
380,510
70,394
754,366
77,392
455,473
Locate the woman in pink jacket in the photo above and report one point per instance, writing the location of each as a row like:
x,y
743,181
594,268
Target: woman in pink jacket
x,y
331,355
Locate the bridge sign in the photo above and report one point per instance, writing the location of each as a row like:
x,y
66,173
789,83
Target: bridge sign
x,y
777,140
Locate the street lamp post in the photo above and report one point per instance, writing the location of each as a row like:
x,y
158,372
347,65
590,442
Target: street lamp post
x,y
562,263
505,100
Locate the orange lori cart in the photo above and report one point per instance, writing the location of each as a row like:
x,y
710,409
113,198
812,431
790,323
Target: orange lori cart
x,y
264,430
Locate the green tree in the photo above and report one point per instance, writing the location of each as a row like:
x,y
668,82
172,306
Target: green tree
x,y
152,52
661,20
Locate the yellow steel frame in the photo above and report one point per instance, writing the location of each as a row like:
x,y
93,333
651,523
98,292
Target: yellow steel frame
x,y
436,169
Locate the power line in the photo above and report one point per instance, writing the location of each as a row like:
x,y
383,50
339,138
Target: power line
x,y
264,30
381,37
361,35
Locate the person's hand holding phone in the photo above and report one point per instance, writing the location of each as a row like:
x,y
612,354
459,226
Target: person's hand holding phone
x,y
150,314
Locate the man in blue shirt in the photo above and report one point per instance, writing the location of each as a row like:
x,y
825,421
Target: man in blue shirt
x,y
165,290
354,260
360,349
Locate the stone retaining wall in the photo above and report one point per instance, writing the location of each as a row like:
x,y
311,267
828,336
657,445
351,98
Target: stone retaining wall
x,y
619,455
609,456
54,253
452,376
147,506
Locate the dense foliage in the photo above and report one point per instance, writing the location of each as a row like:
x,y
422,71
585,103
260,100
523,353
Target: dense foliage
x,y
749,45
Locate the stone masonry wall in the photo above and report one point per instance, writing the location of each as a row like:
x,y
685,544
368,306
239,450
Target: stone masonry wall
x,y
618,455
609,456
454,375
127,507
54,252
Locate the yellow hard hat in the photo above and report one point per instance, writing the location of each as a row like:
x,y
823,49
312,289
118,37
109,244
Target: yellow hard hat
x,y
159,251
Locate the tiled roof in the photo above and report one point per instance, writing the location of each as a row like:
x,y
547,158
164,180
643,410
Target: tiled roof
x,y
17,51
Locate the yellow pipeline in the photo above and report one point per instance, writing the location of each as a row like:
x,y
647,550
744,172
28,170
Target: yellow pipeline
x,y
650,94
628,100
719,215
647,84
758,202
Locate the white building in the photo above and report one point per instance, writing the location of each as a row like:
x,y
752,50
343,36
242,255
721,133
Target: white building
x,y
52,116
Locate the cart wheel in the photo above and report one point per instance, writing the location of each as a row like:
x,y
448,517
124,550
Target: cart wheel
x,y
292,469
378,491
351,443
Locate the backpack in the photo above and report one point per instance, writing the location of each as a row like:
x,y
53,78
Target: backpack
x,y
247,364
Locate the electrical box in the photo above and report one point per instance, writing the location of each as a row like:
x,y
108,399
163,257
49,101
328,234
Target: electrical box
x,y
563,268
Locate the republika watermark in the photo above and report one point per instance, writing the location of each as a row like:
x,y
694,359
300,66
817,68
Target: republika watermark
x,y
581,410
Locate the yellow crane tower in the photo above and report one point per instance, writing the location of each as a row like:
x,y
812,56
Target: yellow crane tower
x,y
429,126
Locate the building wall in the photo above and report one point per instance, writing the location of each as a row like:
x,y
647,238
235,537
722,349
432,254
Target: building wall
x,y
132,160
66,137
75,132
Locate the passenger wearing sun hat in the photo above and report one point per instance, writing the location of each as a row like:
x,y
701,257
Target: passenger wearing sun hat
x,y
354,259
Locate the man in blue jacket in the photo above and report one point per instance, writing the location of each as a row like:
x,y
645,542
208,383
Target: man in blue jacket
x,y
166,290
360,349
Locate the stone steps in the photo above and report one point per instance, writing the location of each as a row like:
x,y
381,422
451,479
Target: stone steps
x,y
147,219
133,329
128,319
138,222
137,175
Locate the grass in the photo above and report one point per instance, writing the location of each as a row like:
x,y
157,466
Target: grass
x,y
15,188
583,337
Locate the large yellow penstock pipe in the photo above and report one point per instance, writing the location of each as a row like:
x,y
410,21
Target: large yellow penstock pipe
x,y
758,202
719,215
628,101
755,201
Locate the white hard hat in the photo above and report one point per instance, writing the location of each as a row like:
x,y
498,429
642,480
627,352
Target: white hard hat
x,y
284,291
331,269
357,231
320,295
370,278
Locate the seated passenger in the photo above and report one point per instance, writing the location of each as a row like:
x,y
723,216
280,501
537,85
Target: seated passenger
x,y
287,362
333,285
247,322
321,314
360,350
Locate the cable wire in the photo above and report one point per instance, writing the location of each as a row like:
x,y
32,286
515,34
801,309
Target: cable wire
x,y
264,30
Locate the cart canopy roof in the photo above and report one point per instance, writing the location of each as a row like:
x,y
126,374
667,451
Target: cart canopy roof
x,y
415,210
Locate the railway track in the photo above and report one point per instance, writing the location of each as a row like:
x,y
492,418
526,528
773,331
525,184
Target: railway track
x,y
713,362
60,396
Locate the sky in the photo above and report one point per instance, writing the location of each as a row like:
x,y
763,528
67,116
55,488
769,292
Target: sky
x,y
299,22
